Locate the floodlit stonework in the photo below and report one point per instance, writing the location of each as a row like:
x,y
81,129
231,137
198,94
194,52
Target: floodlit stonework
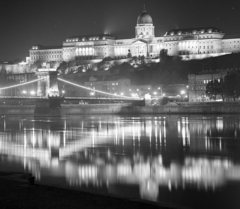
x,y
192,43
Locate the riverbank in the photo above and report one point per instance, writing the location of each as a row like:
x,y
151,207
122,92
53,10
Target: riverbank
x,y
78,109
15,192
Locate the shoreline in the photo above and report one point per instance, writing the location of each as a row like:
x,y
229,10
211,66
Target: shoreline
x,y
119,109
17,193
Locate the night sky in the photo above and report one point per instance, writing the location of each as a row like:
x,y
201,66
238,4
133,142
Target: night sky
x,y
25,23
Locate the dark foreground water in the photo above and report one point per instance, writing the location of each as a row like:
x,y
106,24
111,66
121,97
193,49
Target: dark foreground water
x,y
191,161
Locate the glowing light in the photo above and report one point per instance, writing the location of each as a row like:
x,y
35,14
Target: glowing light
x,y
122,93
102,92
21,84
164,95
154,92
32,92
147,96
24,92
63,91
134,95
182,92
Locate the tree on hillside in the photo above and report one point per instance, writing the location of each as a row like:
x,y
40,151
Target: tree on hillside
x,y
125,69
62,67
163,55
231,85
36,65
215,88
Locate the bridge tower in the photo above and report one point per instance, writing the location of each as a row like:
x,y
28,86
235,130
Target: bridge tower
x,y
48,86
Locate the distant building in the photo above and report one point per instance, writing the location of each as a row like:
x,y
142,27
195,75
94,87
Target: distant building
x,y
188,43
197,83
119,86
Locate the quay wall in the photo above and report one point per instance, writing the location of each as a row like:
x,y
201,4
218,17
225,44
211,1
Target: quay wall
x,y
118,109
17,110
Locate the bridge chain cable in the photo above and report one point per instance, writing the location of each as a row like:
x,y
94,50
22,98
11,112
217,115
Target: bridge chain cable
x,y
21,84
102,92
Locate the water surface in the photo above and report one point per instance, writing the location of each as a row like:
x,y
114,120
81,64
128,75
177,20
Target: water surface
x,y
191,161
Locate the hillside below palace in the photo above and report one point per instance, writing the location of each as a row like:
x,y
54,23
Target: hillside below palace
x,y
190,43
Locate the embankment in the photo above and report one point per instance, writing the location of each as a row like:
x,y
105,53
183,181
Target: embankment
x,y
120,109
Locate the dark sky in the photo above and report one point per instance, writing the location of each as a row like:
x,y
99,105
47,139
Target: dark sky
x,y
24,23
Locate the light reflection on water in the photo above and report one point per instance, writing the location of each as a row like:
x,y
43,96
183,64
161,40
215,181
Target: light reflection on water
x,y
162,156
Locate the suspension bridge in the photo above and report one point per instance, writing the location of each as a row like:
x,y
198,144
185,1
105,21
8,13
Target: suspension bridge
x,y
48,92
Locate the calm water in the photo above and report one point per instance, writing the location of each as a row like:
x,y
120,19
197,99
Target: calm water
x,y
191,161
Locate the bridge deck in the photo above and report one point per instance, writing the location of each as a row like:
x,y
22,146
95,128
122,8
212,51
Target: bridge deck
x,y
70,98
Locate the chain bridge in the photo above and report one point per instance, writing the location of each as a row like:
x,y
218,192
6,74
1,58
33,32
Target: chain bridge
x,y
48,93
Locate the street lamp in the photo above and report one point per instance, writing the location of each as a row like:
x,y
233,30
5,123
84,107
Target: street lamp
x,y
161,94
32,93
182,94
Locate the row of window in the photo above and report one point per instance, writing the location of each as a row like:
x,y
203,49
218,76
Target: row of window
x,y
227,42
180,38
47,57
46,52
206,81
85,39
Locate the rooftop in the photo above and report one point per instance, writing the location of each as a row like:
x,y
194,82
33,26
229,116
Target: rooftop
x,y
95,37
233,36
189,31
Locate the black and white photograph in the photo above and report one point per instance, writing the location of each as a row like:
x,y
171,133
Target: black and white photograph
x,y
119,104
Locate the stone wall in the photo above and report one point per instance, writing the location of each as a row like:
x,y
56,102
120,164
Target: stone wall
x,y
119,109
17,110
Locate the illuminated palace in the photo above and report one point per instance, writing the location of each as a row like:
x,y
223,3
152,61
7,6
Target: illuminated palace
x,y
189,43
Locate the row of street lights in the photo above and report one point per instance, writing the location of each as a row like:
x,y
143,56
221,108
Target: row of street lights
x,y
24,92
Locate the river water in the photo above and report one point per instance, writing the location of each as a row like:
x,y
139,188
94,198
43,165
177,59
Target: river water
x,y
190,161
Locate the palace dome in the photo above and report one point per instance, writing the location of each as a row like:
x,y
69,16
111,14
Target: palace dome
x,y
144,18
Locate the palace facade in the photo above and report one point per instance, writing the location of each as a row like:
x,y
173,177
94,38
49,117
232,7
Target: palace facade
x,y
190,43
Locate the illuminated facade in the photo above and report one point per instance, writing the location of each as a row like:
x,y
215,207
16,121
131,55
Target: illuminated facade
x,y
188,43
